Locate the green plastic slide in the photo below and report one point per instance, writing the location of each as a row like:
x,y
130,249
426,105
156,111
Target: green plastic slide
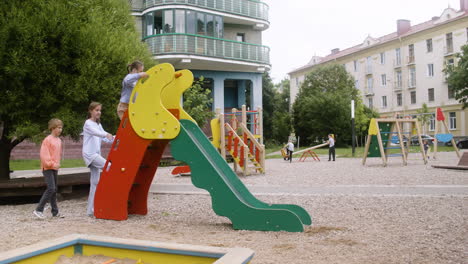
x,y
230,197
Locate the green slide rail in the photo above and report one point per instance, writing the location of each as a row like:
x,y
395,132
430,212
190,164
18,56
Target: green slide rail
x,y
230,197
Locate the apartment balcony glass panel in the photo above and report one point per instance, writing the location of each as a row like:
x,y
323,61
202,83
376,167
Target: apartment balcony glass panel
x,y
176,43
248,8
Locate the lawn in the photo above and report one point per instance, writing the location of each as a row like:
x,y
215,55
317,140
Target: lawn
x,y
33,164
347,152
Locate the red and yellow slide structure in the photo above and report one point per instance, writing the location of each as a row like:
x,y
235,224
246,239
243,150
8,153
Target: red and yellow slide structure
x,y
155,117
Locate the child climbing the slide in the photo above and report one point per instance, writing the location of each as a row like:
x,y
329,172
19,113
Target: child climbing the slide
x,y
135,72
93,135
50,153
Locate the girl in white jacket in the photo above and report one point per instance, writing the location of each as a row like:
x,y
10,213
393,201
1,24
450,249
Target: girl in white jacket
x,y
93,135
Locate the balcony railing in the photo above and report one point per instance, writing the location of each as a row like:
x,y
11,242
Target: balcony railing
x,y
397,86
248,8
448,50
177,43
410,60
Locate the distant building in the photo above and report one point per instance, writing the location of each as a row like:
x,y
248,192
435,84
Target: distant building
x,y
400,71
220,40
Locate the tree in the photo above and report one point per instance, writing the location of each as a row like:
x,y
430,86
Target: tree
x,y
55,58
197,101
457,77
268,98
423,116
323,105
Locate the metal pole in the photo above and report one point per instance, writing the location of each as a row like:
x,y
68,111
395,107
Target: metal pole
x,y
352,128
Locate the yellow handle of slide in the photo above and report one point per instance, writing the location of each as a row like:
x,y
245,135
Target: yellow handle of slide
x,y
171,95
148,116
373,129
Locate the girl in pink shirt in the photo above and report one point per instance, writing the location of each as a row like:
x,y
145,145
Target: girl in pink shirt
x,y
51,152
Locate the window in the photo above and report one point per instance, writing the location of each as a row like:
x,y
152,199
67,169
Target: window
x,y
432,123
430,70
355,65
397,57
180,21
369,64
413,97
168,21
411,53
383,78
191,22
209,25
430,94
382,58
297,81
219,28
451,92
356,84
149,20
371,102
399,99
384,101
429,45
399,79
370,84
450,61
412,77
452,120
448,43
201,26
240,37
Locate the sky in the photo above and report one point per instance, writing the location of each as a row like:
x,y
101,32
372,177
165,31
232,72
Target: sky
x,y
301,29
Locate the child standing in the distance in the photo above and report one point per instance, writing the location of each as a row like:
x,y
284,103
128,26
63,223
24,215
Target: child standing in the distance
x,y
50,154
331,147
426,148
135,72
93,135
290,149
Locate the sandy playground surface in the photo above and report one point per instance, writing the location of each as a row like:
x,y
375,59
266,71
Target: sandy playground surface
x,y
422,219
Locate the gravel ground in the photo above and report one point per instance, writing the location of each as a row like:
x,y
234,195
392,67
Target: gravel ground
x,y
345,229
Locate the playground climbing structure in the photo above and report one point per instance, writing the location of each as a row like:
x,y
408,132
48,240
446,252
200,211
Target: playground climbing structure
x,y
156,118
384,131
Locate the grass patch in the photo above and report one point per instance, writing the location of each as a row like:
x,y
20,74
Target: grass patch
x,y
32,164
347,152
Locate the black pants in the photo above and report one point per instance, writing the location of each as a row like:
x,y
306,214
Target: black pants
x,y
331,152
290,155
50,194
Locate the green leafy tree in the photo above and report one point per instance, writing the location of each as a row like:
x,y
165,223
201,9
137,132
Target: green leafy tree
x,y
323,105
281,123
423,116
457,77
55,58
268,98
197,102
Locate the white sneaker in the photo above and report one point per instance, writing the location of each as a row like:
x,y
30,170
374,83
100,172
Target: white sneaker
x,y
39,215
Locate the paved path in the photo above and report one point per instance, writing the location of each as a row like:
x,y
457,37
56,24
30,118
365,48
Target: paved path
x,y
358,190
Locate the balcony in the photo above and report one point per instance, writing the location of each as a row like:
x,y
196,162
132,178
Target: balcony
x,y
448,50
177,44
412,83
368,70
410,60
369,91
397,63
247,8
397,86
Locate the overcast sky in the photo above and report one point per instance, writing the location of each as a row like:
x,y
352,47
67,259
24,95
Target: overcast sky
x,y
301,29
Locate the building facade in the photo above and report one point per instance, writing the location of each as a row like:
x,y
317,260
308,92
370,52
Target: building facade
x,y
399,72
220,40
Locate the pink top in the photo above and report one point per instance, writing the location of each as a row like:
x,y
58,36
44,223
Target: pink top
x,y
51,151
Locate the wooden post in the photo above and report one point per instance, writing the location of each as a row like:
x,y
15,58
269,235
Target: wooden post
x,y
379,140
400,138
366,149
435,138
421,147
222,144
452,140
260,124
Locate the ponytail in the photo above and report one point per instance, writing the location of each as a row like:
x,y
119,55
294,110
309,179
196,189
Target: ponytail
x,y
134,65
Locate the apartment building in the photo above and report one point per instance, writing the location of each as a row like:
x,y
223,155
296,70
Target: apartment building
x,y
220,40
400,71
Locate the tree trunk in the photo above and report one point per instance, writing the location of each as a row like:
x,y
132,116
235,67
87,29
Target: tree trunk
x,y
5,151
